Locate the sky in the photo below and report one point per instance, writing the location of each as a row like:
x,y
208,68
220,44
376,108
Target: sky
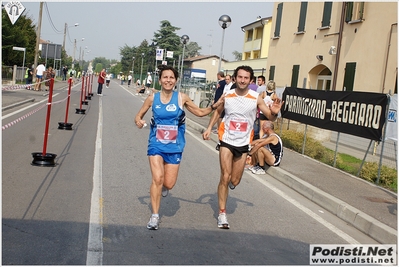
x,y
107,26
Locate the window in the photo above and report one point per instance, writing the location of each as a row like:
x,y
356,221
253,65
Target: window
x,y
256,54
354,12
326,15
271,72
295,74
247,55
278,20
250,33
302,17
349,78
324,80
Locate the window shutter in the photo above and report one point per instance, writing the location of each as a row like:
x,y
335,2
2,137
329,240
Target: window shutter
x,y
295,74
271,72
302,16
326,14
349,77
349,11
361,10
278,20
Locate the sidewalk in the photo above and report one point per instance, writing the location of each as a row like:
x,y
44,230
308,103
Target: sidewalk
x,y
369,208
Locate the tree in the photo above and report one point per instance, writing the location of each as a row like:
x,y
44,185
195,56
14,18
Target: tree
x,y
237,55
192,50
21,34
101,60
167,39
99,67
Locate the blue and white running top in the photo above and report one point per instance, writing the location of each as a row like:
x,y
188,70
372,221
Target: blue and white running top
x,y
168,125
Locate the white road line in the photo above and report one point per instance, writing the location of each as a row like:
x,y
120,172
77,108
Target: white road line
x,y
95,244
313,215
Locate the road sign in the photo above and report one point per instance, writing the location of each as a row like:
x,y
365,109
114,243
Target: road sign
x,y
14,10
16,48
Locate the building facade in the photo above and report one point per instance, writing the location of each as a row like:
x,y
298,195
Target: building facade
x,y
339,46
208,63
255,47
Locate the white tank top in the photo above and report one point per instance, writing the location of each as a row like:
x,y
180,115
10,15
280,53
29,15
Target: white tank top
x,y
236,128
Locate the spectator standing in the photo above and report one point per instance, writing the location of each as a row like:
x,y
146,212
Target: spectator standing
x,y
122,79
235,135
219,92
261,84
101,80
64,72
39,72
49,75
167,135
253,85
229,83
28,76
268,97
129,80
148,82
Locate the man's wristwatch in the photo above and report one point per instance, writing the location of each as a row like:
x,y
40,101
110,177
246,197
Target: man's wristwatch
x,y
212,107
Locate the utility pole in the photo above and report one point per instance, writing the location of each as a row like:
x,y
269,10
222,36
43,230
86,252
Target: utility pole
x,y
65,29
39,28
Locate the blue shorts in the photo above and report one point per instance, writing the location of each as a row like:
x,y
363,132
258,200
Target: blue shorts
x,y
39,76
171,158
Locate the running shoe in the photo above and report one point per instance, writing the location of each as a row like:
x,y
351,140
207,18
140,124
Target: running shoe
x,y
153,223
231,186
165,191
222,221
258,170
251,167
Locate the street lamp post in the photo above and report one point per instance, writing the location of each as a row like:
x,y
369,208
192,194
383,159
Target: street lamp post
x,y
65,30
224,22
74,49
141,69
133,67
184,40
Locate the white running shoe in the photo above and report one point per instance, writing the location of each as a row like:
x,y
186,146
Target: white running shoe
x,y
222,221
258,170
153,223
250,168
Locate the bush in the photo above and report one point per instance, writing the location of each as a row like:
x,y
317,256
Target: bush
x,y
388,176
314,149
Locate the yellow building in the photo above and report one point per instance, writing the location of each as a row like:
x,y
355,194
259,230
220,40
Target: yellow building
x,y
255,47
334,46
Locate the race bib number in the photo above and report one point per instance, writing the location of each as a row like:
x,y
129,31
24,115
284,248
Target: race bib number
x,y
238,125
166,133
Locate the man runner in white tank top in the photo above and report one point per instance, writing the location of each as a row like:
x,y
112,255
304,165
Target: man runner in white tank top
x,y
236,133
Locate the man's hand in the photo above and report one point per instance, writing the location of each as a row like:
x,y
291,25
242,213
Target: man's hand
x,y
276,106
206,134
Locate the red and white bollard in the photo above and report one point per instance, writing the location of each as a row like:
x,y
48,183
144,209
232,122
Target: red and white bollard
x,y
66,125
43,158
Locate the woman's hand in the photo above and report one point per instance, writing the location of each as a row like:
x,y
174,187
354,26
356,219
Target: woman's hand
x,y
140,124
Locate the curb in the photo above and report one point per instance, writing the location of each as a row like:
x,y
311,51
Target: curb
x,y
18,104
361,221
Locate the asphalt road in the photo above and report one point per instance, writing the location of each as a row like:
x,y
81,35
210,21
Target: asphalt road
x,y
93,206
